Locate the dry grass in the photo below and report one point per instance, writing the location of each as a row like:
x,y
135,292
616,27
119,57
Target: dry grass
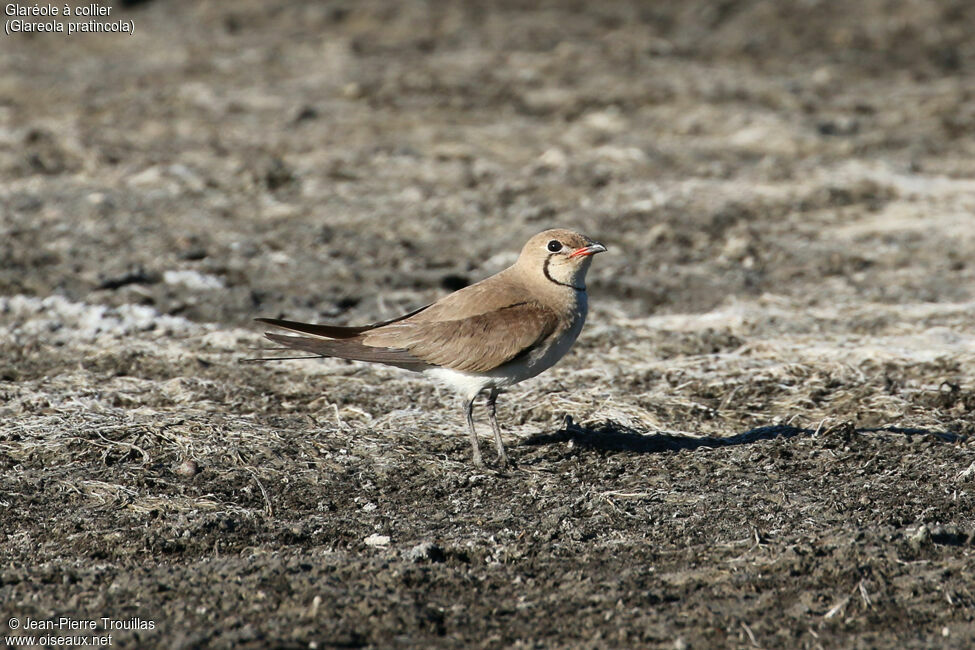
x,y
813,368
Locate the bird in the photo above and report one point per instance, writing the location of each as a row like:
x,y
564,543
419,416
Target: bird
x,y
484,337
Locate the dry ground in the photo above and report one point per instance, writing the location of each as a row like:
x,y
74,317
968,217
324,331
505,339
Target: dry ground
x,y
762,438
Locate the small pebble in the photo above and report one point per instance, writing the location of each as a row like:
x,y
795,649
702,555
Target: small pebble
x,y
377,540
188,468
425,551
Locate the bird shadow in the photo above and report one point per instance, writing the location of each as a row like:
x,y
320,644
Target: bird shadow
x,y
613,436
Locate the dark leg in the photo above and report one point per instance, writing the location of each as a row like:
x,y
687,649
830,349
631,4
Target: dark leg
x,y
491,401
478,461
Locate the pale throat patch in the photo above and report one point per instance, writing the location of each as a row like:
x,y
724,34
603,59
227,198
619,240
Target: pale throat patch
x,y
570,281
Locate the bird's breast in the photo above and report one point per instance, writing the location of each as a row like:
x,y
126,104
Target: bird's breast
x,y
552,349
543,357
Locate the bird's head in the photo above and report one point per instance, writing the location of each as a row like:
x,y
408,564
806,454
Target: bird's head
x,y
561,257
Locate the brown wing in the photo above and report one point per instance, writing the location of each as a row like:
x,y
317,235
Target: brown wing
x,y
475,344
475,329
333,331
353,350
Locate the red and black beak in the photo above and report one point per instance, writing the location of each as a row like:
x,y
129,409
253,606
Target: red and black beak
x,y
586,251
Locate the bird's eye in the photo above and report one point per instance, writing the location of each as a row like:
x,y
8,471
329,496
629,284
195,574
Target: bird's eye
x,y
555,246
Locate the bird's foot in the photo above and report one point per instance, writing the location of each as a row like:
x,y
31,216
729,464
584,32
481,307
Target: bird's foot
x,y
478,460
